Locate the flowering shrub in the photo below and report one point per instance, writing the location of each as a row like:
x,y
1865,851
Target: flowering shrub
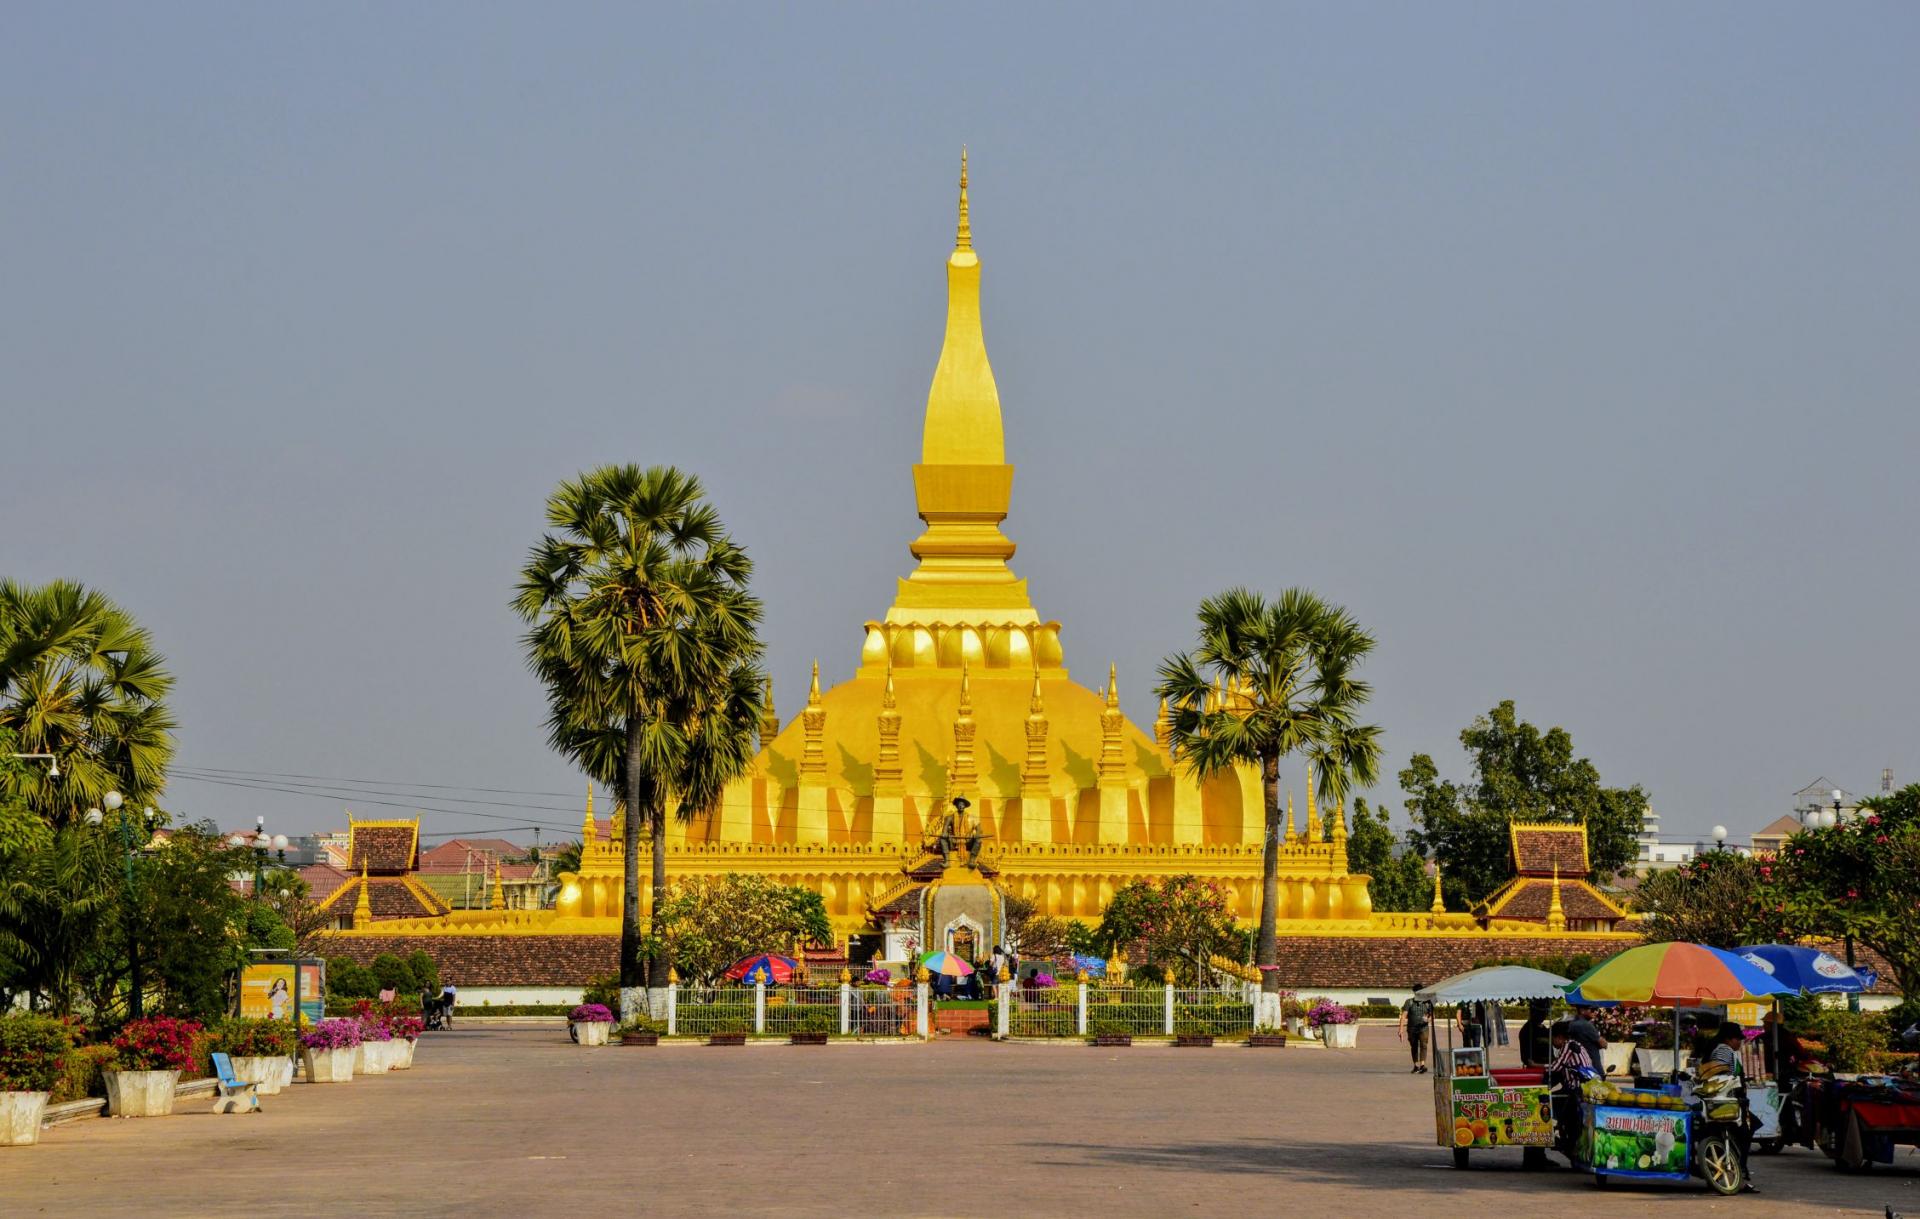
x,y
878,977
408,1028
340,1033
1325,1012
591,1013
1290,1006
33,1053
375,1027
1042,982
158,1043
259,1038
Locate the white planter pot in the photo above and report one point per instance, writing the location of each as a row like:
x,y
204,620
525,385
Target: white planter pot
x,y
370,1058
282,1073
20,1114
1616,1058
140,1093
400,1054
1340,1036
1660,1062
592,1032
329,1066
1297,1025
263,1072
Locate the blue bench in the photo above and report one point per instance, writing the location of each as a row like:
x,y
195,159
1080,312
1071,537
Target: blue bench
x,y
233,1091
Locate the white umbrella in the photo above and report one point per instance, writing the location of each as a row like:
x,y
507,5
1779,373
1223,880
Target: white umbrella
x,y
1497,984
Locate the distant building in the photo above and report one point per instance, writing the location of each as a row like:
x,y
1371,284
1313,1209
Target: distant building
x,y
1655,854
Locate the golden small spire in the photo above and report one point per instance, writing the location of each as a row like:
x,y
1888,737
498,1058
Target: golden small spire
x,y
1556,913
499,890
769,718
1035,705
963,235
1113,686
886,763
966,689
1035,782
887,699
813,686
962,775
1340,821
1111,766
362,909
587,829
1313,814
813,725
1439,906
1291,835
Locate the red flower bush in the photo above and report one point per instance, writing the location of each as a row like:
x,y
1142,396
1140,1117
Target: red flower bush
x,y
158,1043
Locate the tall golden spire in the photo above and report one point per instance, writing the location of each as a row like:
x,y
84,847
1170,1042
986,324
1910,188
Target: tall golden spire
x,y
362,909
1556,913
1314,828
963,483
1162,726
886,762
963,777
813,723
1439,904
587,829
1112,765
1034,781
769,718
499,890
1291,835
963,233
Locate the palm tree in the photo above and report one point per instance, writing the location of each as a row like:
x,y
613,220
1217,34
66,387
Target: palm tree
x,y
644,634
80,679
1269,681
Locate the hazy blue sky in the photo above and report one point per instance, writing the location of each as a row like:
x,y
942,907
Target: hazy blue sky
x,y
1574,350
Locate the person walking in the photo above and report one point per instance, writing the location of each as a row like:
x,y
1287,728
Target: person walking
x,y
1415,1015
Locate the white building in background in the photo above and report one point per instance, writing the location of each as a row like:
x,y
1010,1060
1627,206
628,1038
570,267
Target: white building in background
x,y
1655,854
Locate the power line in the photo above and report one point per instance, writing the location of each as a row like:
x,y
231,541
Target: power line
x,y
211,776
359,799
271,774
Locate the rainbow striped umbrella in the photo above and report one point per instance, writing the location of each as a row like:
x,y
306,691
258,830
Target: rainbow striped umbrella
x,y
946,963
768,967
1673,974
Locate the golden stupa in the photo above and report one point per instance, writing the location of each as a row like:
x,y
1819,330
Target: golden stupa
x,y
963,690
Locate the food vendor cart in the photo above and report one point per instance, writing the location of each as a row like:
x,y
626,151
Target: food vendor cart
x,y
1777,1111
1860,1121
1675,1130
1478,1106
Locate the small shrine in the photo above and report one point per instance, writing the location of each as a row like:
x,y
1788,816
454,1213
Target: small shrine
x,y
1550,888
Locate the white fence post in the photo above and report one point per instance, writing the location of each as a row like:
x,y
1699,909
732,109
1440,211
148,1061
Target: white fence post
x,y
673,1008
1006,1004
1169,994
1080,1016
759,1008
920,1009
846,1008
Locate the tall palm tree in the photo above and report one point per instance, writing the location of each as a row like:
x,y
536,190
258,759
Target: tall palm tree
x,y
644,633
80,679
1270,680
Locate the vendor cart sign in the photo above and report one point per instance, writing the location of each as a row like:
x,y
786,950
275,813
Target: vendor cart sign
x,y
1636,1142
1496,1117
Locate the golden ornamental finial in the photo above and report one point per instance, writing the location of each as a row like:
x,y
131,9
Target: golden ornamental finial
x,y
813,686
886,695
966,689
1291,835
1113,685
963,235
1439,906
1035,706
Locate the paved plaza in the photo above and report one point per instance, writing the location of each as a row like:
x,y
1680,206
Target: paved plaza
x,y
517,1121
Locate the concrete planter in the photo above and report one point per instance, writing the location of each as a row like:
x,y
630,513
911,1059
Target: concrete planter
x,y
270,1074
140,1093
370,1058
400,1054
640,1039
20,1114
1297,1025
329,1066
592,1032
1340,1036
1616,1058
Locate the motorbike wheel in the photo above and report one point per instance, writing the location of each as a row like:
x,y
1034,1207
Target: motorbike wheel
x,y
1719,1164
1459,1157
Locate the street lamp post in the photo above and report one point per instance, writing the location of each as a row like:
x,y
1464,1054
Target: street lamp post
x,y
53,763
114,800
1833,819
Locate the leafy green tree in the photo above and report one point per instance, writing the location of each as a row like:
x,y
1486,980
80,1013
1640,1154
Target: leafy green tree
x,y
194,927
712,921
1397,875
81,680
644,634
1861,879
1286,685
1519,774
57,904
1182,920
566,859
1717,898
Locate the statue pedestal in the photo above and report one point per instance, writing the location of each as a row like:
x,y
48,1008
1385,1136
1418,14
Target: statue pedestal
x,y
961,912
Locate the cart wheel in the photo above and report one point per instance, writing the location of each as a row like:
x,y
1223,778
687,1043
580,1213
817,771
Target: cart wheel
x,y
1720,1164
1459,1157
1533,1157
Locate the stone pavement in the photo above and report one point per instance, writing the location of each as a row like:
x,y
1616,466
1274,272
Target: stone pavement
x,y
518,1121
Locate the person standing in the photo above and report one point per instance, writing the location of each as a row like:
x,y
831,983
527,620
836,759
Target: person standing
x,y
1536,1045
1415,1015
1582,1030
